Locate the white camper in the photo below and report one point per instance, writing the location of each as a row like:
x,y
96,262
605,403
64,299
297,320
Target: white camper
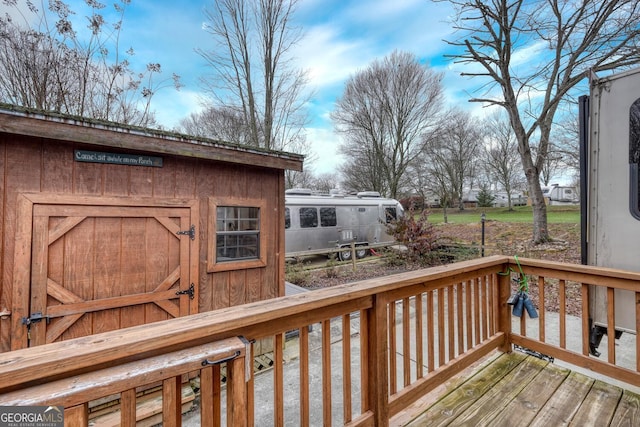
x,y
561,195
316,223
610,176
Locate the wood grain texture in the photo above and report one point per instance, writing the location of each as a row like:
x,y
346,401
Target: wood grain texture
x,y
44,170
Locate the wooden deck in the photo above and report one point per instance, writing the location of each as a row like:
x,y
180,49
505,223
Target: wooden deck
x,y
520,390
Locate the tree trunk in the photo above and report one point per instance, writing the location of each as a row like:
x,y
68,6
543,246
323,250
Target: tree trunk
x,y
539,207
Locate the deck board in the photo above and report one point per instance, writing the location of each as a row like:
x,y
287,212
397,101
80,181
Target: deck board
x,y
520,390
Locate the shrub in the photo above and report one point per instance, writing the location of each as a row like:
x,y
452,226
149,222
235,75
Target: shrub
x,y
296,273
418,235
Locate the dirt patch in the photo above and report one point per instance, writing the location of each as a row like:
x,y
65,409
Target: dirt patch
x,y
500,238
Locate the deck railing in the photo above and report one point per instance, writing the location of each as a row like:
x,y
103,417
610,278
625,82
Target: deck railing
x,y
355,354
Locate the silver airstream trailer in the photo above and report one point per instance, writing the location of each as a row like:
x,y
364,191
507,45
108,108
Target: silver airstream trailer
x,y
610,168
317,223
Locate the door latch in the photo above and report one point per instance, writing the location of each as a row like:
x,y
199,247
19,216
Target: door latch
x,y
35,318
191,291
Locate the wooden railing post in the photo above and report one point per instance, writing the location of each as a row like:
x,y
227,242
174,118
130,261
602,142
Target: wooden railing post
x,y
236,392
378,387
503,311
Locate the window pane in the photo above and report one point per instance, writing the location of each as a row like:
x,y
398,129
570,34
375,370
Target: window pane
x,y
287,218
237,233
634,154
390,214
308,217
328,217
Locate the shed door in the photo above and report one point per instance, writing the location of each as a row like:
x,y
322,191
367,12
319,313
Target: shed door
x,y
99,268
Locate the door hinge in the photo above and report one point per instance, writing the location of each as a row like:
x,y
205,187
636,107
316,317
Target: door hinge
x,y
191,232
191,291
35,318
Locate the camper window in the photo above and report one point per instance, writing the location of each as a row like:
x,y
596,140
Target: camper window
x,y
308,217
287,218
328,217
236,243
390,214
634,157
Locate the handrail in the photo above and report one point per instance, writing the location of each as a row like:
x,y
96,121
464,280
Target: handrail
x,y
413,331
65,358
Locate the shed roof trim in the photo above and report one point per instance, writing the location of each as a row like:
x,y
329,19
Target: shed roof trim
x,y
23,121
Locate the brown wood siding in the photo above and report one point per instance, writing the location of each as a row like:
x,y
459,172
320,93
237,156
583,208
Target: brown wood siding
x,y
34,165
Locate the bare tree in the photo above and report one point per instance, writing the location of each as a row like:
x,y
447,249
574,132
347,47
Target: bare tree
x,y
252,73
573,38
225,124
385,112
46,64
501,154
452,156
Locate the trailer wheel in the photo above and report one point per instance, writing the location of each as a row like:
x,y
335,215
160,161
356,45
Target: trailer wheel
x,y
346,254
361,253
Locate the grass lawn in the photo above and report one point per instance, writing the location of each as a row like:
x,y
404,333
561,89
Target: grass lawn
x,y
566,214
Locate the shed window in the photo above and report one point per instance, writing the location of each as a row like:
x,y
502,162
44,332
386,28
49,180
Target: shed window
x,y
308,217
634,157
235,235
328,217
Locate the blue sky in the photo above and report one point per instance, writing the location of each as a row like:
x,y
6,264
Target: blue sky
x,y
340,38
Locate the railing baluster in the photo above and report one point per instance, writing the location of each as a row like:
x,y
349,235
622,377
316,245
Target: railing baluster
x,y
172,402
611,325
237,389
304,376
441,327
209,396
562,297
418,334
365,371
430,333
346,367
393,369
460,317
485,307
406,342
326,372
278,381
504,312
251,404
469,313
476,310
542,310
77,415
128,408
584,292
451,323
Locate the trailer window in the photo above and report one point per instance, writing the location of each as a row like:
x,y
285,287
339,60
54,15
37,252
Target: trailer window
x,y
328,217
287,218
390,214
308,217
235,234
634,157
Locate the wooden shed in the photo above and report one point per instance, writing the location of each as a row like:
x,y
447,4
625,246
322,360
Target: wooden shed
x,y
105,226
